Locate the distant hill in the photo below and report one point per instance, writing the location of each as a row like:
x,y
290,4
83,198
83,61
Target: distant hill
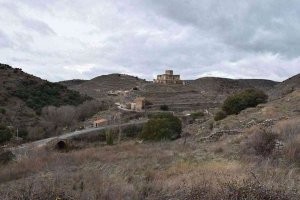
x,y
224,86
70,83
99,86
22,96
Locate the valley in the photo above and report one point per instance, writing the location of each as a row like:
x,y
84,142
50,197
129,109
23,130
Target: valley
x,y
139,153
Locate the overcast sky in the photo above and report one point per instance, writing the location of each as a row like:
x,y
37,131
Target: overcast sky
x,y
66,39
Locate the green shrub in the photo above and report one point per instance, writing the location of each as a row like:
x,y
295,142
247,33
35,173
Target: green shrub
x,y
2,111
5,134
109,138
164,107
132,130
6,157
197,115
220,115
23,133
161,126
245,99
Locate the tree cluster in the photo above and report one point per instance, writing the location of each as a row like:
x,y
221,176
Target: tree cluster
x,y
161,127
235,103
37,96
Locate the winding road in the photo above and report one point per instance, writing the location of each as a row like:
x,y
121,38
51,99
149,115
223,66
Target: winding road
x,y
23,149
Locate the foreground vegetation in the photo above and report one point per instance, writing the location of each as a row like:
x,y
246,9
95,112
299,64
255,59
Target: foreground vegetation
x,y
161,170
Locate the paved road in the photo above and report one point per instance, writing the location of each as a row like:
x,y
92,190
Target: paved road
x,y
22,150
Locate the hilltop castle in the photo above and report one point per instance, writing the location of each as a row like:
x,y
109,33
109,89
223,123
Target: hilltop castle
x,y
168,78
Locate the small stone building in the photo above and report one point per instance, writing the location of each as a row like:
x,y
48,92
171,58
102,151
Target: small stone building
x,y
140,103
168,78
100,122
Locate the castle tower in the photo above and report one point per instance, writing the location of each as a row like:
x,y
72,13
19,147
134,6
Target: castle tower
x,y
168,78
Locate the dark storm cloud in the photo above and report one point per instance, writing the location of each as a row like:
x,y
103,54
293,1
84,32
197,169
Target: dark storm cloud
x,y
84,39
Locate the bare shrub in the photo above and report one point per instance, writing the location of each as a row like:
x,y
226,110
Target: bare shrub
x,y
89,108
36,133
63,116
261,142
55,119
39,190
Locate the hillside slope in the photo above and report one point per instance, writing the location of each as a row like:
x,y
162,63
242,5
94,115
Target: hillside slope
x,y
22,96
285,87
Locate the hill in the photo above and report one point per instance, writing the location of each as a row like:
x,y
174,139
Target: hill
x,y
203,92
22,96
226,85
283,104
73,82
99,86
285,87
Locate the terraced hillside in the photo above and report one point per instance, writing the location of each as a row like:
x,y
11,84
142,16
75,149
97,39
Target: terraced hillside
x,y
204,92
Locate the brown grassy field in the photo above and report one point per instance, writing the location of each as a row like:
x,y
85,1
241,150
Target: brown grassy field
x,y
161,170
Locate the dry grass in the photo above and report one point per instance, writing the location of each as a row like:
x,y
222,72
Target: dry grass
x,y
289,132
136,171
181,180
162,170
269,111
288,129
292,150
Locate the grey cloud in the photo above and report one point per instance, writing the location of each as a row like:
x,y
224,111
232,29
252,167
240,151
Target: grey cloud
x,y
38,26
266,26
5,41
238,39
